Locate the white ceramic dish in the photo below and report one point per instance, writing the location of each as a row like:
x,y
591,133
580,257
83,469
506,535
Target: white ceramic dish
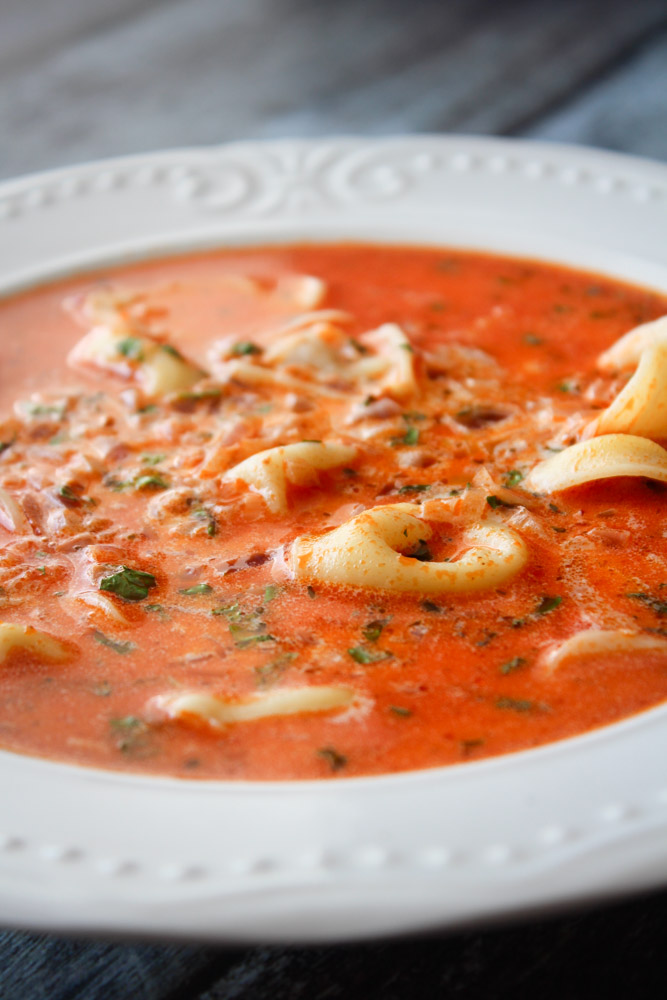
x,y
87,850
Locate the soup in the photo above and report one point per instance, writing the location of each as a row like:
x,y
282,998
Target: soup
x,y
327,511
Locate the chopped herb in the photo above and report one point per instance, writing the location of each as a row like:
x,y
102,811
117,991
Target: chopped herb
x,y
71,498
358,346
148,408
404,713
202,394
468,745
494,501
335,760
131,347
150,483
246,641
422,552
127,722
350,472
659,607
270,592
158,610
362,655
513,477
430,606
514,664
557,527
413,415
415,488
311,593
555,509
152,459
40,410
196,589
42,569
4,445
168,349
130,584
103,689
489,637
548,604
532,339
270,672
515,704
567,385
408,347
245,347
202,514
411,436
121,646
437,306
311,440
373,630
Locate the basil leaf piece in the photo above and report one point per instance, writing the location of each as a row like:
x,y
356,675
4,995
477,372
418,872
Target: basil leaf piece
x,y
130,584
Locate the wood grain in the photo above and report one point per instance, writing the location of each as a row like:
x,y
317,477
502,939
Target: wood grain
x,y
169,74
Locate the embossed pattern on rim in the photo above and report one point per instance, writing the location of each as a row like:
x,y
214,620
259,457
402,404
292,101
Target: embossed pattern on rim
x,y
350,858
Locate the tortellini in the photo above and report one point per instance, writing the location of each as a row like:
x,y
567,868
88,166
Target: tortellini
x,y
604,457
592,642
219,712
39,644
268,472
368,551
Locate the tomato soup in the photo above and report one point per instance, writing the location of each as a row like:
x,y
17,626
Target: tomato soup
x,y
328,511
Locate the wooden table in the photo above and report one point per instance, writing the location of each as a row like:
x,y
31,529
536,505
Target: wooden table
x,y
81,79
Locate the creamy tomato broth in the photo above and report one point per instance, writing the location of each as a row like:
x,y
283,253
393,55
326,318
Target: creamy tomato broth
x,y
324,511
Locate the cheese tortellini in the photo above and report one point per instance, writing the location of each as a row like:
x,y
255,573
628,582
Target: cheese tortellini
x,y
39,644
268,472
368,551
219,712
604,457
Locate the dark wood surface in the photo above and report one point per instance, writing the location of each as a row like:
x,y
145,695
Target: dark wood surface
x,y
81,79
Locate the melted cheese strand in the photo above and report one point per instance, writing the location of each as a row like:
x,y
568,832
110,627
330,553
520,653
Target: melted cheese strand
x,y
285,701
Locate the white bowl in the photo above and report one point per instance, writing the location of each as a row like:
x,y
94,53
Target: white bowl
x,y
88,850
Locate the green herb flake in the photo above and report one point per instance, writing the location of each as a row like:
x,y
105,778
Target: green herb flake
x,y
358,346
548,604
467,746
245,347
415,488
311,441
567,385
246,641
411,436
126,722
150,482
71,498
495,502
152,459
130,584
514,664
532,339
270,672
554,509
131,348
174,352
362,655
431,607
102,689
557,527
121,646
270,593
373,630
421,552
197,589
515,704
657,606
334,759
408,347
403,713
513,477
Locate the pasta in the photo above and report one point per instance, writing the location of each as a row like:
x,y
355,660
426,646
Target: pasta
x,y
327,511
